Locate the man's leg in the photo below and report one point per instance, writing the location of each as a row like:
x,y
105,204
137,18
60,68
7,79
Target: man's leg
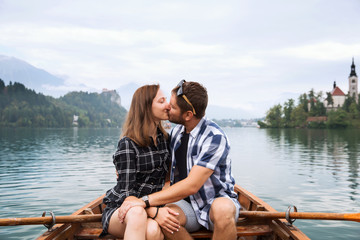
x,y
182,233
222,215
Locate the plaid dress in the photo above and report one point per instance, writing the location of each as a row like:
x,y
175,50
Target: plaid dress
x,y
141,171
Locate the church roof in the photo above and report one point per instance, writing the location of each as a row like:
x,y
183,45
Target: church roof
x,y
337,92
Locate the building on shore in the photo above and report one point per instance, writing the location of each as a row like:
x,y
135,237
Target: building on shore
x,y
353,83
75,120
338,96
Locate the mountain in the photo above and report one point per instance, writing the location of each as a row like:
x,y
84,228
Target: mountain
x,y
22,107
16,70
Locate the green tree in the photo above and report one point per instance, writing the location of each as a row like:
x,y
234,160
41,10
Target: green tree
x,y
338,119
348,101
262,124
2,86
353,111
303,101
317,107
329,99
288,108
312,100
298,116
274,117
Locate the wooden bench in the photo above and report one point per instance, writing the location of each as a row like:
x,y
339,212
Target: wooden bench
x,y
249,230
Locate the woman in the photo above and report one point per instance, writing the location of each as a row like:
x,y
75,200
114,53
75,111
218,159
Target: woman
x,y
141,161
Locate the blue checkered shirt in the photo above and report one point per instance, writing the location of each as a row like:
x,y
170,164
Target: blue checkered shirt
x,y
208,147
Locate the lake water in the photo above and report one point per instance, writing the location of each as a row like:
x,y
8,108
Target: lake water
x,y
61,170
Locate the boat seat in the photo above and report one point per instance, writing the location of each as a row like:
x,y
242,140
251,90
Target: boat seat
x,y
249,230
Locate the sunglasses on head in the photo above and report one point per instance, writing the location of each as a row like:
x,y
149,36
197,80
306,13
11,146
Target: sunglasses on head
x,y
180,93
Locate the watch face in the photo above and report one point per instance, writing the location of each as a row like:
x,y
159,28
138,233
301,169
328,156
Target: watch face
x,y
146,200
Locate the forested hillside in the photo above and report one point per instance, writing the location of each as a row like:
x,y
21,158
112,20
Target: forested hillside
x,y
22,107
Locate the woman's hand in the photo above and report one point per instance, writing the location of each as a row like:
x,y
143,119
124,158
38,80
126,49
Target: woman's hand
x,y
129,202
167,220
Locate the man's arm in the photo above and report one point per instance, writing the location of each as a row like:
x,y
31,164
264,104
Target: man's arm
x,y
186,187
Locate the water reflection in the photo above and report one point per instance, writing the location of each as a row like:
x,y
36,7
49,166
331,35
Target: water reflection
x,y
52,170
334,151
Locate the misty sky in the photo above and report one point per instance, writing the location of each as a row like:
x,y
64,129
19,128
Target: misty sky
x,y
248,54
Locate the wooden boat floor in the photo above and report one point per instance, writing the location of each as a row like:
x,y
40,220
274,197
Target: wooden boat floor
x,y
243,230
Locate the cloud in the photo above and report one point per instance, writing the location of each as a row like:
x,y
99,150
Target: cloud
x,y
324,51
88,54
247,53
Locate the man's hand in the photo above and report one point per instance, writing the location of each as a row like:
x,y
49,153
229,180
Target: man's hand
x,y
167,220
129,202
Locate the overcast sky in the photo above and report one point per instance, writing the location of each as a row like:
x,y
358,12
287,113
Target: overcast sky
x,y
248,54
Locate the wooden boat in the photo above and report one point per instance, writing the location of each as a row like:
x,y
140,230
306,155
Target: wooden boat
x,y
247,228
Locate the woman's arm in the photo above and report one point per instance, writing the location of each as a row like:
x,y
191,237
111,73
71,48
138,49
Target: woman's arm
x,y
124,160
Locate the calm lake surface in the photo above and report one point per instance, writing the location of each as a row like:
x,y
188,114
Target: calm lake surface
x,y
61,170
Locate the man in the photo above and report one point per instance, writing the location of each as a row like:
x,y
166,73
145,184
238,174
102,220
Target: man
x,y
200,175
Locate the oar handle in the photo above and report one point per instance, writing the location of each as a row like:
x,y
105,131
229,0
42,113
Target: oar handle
x,y
49,220
302,215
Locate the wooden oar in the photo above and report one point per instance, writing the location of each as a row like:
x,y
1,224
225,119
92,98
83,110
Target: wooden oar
x,y
303,215
249,214
49,220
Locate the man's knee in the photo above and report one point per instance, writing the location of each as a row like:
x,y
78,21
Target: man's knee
x,y
223,211
153,230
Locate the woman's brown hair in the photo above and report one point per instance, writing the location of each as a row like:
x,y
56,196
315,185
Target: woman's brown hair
x,y
140,118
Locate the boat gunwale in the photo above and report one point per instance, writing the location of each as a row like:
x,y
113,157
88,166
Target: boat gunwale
x,y
278,226
61,228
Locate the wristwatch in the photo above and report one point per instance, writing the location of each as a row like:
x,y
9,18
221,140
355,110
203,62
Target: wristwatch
x,y
146,200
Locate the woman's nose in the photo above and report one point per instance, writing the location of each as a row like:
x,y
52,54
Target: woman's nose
x,y
168,106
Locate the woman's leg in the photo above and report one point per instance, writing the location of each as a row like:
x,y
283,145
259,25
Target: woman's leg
x,y
134,226
153,230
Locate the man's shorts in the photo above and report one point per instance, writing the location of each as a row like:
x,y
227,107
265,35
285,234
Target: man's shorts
x,y
192,225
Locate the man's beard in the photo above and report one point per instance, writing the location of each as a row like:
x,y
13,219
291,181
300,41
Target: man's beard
x,y
176,119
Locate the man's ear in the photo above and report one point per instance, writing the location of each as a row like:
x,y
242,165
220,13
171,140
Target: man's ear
x,y
188,115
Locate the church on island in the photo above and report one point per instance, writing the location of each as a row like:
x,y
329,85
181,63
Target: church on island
x,y
338,96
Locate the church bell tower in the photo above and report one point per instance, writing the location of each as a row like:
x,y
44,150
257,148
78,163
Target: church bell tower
x,y
353,82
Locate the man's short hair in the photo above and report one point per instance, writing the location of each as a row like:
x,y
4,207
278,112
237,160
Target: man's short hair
x,y
196,94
